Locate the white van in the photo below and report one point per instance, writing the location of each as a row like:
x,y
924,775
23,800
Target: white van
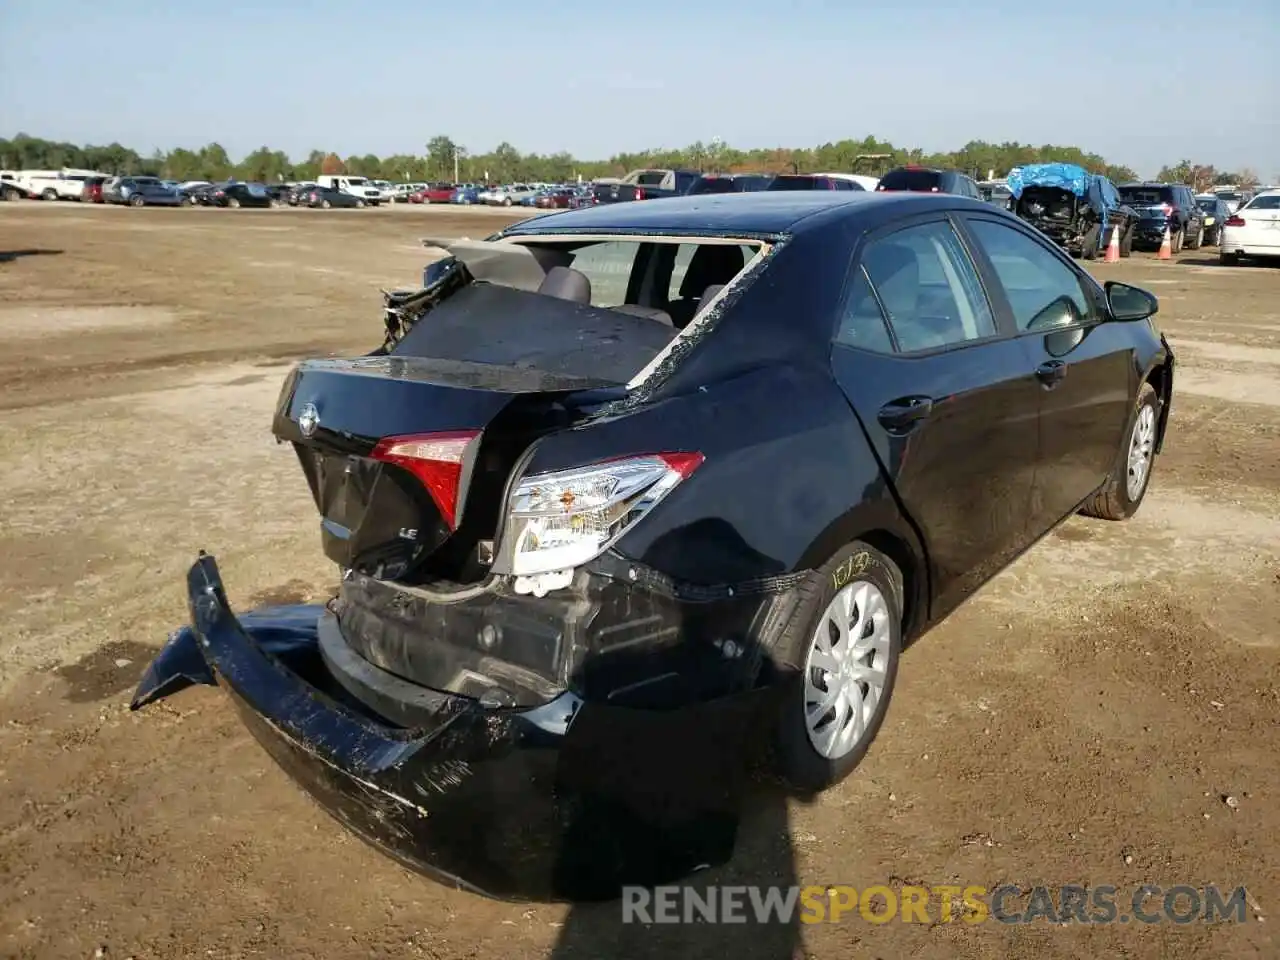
x,y
360,187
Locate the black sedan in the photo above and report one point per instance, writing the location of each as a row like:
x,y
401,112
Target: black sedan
x,y
635,499
238,195
325,197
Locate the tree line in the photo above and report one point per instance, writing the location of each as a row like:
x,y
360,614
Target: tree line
x,y
443,157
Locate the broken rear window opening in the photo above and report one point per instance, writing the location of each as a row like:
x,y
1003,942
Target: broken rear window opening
x,y
508,342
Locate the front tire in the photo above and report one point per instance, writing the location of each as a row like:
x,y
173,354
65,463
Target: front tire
x,y
1199,239
359,204
49,194
845,638
1125,491
138,200
325,204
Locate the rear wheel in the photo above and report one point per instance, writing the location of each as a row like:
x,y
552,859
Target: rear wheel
x,y
360,204
846,637
1175,241
233,202
49,194
1126,242
1199,239
325,204
1123,494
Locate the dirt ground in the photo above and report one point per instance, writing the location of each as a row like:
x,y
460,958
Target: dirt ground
x,y
1081,721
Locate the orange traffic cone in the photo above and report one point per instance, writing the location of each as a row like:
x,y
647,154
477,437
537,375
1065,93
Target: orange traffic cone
x,y
1166,249
1113,248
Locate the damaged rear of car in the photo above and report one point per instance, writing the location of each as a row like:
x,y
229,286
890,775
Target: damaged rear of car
x,y
1077,209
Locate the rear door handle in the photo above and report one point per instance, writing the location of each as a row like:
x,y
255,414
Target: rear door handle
x,y
1051,372
903,414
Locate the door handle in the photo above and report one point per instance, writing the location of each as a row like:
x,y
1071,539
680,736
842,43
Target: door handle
x,y
903,414
1051,372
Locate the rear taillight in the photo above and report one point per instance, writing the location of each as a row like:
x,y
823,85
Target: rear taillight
x,y
436,460
639,194
1235,220
1167,209
557,521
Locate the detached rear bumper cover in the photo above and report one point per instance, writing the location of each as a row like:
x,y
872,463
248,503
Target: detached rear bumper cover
x,y
564,801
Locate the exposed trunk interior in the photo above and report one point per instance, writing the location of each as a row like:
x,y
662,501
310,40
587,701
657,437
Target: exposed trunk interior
x,y
500,365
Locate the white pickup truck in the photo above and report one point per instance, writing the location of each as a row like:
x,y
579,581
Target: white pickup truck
x,y
54,184
360,187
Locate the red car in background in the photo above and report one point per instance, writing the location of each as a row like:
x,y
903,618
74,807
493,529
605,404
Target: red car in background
x,y
91,192
433,193
556,199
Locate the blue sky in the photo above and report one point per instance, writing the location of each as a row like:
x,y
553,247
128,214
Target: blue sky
x,y
1141,82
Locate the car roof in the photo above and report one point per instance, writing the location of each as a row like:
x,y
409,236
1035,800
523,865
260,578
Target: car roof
x,y
760,213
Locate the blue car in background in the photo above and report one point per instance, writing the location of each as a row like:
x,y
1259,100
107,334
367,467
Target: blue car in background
x,y
1076,209
466,193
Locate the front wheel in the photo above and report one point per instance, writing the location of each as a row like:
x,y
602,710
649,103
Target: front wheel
x,y
506,201
1124,492
1199,239
49,194
137,200
325,204
360,204
845,637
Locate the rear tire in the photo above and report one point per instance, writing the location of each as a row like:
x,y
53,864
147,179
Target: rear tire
x,y
49,194
1175,242
1126,242
138,200
859,585
325,204
359,204
1199,239
1124,492
233,202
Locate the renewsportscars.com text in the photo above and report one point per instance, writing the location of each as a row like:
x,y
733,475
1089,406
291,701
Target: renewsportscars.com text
x,y
946,903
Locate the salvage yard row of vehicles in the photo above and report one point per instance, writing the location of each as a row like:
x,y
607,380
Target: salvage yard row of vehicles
x,y
633,502
1081,211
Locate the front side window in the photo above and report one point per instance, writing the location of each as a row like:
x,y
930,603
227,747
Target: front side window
x,y
1042,290
926,287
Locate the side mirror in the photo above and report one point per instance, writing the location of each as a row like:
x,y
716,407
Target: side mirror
x,y
1130,303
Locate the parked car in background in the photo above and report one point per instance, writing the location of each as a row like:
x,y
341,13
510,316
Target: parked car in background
x,y
240,194
996,192
467,193
560,600
559,199
140,192
1216,212
508,195
730,183
195,195
67,184
10,186
1252,231
91,191
360,187
1076,209
811,181
1234,196
1162,206
326,197
917,179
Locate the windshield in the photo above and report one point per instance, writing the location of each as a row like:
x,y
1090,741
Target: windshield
x,y
356,181
1207,203
919,181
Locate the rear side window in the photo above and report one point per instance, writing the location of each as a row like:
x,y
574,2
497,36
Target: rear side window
x,y
1147,195
926,287
923,181
1042,290
1269,202
608,266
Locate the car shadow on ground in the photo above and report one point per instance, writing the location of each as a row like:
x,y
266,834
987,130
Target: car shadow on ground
x,y
7,256
1215,261
763,858
715,752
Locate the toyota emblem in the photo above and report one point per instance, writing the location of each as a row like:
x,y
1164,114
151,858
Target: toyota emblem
x,y
308,419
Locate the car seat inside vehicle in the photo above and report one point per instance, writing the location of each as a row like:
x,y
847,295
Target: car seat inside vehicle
x,y
713,264
565,283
